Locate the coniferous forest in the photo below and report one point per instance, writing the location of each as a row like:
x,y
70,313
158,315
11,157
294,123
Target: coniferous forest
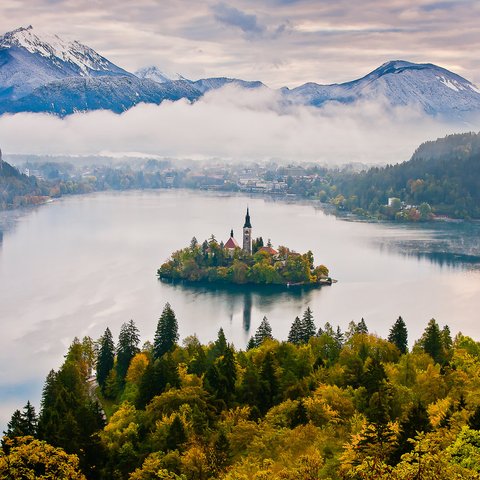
x,y
325,404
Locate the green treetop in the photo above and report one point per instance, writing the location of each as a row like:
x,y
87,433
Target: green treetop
x,y
106,358
263,332
166,334
399,335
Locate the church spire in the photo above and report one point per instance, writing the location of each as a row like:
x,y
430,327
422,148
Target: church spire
x,y
231,233
247,220
247,234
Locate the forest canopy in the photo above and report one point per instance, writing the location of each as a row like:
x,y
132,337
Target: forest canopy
x,y
325,404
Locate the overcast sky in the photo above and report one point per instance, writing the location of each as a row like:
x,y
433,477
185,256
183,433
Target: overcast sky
x,y
281,42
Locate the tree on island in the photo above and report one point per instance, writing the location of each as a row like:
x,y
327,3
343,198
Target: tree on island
x,y
166,334
399,335
106,358
212,263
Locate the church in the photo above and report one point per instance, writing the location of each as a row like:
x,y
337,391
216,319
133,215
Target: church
x,y
231,244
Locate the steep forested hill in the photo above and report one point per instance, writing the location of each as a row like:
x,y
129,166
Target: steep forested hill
x,y
17,189
444,173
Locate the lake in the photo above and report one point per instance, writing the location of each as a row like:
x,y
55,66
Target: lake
x,y
77,265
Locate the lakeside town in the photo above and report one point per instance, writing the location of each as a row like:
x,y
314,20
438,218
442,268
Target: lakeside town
x,y
429,186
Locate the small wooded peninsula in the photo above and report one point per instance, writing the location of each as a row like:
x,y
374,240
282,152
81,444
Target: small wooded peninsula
x,y
254,263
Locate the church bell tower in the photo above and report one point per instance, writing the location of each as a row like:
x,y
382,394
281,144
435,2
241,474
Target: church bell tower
x,y
247,234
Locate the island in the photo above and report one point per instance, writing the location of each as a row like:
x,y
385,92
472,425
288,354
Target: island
x,y
254,263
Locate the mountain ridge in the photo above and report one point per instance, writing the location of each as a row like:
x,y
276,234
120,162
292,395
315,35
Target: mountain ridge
x,y
42,73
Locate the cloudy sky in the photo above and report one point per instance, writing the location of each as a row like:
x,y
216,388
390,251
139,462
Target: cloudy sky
x,y
281,42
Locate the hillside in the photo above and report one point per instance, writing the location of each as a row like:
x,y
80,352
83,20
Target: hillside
x,y
444,174
17,189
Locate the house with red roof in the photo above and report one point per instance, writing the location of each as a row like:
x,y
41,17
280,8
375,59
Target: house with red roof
x,y
269,249
231,244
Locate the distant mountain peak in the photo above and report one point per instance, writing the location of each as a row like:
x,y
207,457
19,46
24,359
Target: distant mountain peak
x,y
59,52
152,72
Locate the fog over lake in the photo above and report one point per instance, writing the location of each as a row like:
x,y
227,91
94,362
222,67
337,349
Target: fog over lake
x,y
79,264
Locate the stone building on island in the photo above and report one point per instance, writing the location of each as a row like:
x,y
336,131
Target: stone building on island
x,y
231,244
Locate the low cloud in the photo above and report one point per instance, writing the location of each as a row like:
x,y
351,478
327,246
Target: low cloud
x,y
233,124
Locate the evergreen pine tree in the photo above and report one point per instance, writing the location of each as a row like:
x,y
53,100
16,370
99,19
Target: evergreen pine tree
x,y
198,364
15,427
308,326
416,422
431,341
228,374
211,380
295,334
158,377
48,415
447,344
362,327
339,338
373,376
166,334
176,434
250,388
263,332
30,420
399,335
251,343
127,348
300,415
23,423
269,383
220,344
106,358
474,419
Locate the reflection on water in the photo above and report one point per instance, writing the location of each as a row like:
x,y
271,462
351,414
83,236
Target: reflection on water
x,y
247,311
446,244
243,298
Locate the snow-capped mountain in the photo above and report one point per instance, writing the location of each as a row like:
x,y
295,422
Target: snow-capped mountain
x,y
29,60
82,94
44,73
154,73
433,89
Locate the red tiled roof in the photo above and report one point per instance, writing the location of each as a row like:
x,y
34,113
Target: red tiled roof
x,y
231,243
269,250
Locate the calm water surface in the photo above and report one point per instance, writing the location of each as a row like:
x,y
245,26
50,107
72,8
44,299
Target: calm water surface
x,y
80,264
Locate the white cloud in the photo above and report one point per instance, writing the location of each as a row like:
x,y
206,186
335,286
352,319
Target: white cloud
x,y
231,124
